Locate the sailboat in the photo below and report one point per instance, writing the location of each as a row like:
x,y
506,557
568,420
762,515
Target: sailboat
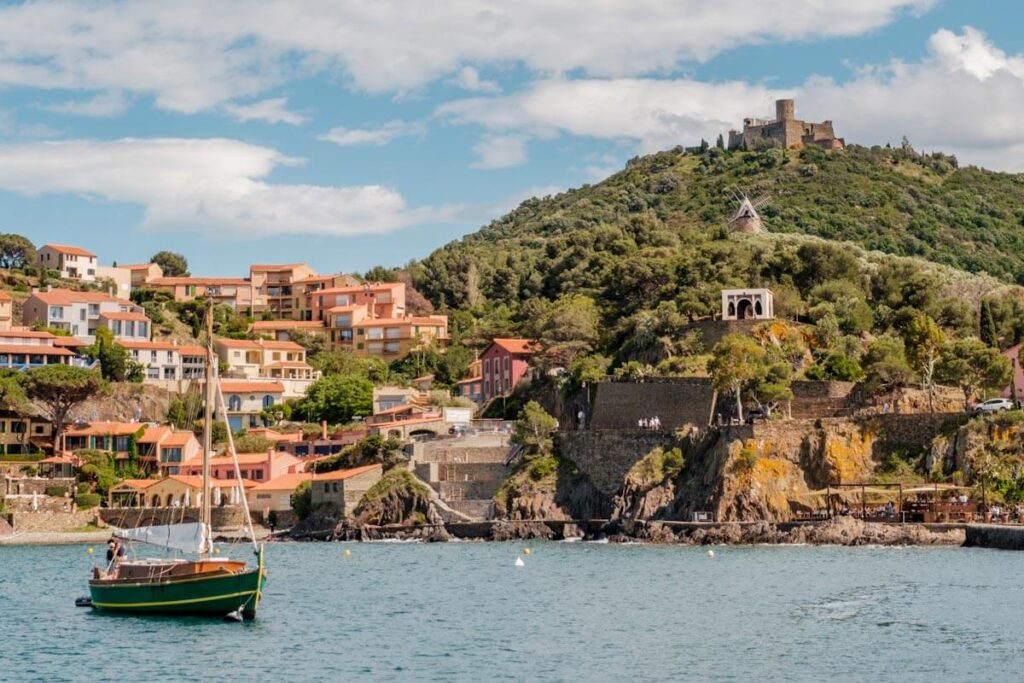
x,y
205,586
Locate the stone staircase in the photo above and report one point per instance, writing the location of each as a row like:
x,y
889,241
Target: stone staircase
x,y
465,471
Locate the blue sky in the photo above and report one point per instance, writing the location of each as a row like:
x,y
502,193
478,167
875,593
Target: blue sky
x,y
348,134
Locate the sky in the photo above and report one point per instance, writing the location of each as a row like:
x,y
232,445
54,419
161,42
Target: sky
x,y
349,134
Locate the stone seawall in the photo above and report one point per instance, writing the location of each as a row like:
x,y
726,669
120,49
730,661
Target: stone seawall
x,y
606,456
24,522
995,536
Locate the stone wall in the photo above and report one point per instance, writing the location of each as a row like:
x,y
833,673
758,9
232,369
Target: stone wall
x,y
226,517
38,503
38,485
606,456
51,521
677,402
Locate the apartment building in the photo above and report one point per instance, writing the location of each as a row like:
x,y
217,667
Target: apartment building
x,y
163,450
21,435
81,313
386,338
380,299
304,290
6,311
120,277
273,287
266,359
252,466
506,362
282,330
23,349
168,361
73,263
231,291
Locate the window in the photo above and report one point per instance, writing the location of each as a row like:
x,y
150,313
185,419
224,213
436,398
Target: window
x,y
3,426
170,356
94,310
129,328
17,427
152,373
393,333
143,329
56,312
268,401
335,487
276,355
327,487
122,444
152,356
170,373
359,331
375,333
81,314
257,474
234,402
171,455
487,366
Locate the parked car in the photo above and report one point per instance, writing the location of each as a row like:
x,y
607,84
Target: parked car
x,y
993,405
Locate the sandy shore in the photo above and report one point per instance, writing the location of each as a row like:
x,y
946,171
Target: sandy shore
x,y
55,537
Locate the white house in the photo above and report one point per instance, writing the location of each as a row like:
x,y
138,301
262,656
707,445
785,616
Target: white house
x,y
245,400
73,263
264,359
167,361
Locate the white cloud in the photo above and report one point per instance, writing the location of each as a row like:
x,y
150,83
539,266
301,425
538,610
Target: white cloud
x,y
103,105
194,55
213,185
381,135
274,110
964,97
500,151
468,78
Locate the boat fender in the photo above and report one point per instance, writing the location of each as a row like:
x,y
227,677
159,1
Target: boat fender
x,y
83,602
234,616
519,562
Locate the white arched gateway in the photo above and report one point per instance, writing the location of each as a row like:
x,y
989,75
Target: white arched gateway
x,y
747,304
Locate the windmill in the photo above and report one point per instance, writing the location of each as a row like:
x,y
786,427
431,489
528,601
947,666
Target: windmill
x,y
747,218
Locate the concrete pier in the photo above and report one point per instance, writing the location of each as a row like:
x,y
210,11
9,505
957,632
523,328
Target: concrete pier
x,y
1002,537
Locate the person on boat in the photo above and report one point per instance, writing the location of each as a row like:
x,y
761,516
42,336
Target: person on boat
x,y
111,551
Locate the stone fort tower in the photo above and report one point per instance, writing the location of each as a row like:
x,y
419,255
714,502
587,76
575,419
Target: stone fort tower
x,y
786,131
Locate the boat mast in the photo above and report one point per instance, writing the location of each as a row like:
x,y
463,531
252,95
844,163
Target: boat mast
x,y
208,405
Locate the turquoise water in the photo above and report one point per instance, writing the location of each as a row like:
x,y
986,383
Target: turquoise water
x,y
464,612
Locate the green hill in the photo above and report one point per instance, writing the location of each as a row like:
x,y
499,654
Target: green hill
x,y
653,238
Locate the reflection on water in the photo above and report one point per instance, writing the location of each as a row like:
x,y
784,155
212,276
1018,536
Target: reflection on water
x,y
579,611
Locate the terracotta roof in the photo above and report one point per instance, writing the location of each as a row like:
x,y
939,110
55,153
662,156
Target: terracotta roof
x,y
345,308
470,380
67,249
136,483
242,387
190,350
138,266
409,320
154,433
58,297
37,349
526,346
5,296
69,341
124,315
60,459
28,334
211,281
178,438
106,429
338,475
197,482
285,482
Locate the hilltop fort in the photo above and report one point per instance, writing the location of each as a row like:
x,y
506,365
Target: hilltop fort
x,y
785,131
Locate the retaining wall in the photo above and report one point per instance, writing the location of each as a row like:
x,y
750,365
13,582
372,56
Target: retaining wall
x,y
606,456
228,516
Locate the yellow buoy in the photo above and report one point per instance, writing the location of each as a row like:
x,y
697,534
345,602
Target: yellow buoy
x,y
711,553
216,551
526,551
347,553
89,551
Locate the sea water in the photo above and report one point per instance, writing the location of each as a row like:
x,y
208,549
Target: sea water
x,y
572,612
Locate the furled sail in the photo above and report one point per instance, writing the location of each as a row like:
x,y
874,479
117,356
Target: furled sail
x,y
191,537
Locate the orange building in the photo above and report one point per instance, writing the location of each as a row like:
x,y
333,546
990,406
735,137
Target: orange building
x,y
273,287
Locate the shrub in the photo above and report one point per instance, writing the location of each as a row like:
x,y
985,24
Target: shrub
x,y
302,500
83,487
87,501
56,491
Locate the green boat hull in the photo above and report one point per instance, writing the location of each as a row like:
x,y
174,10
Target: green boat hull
x,y
203,596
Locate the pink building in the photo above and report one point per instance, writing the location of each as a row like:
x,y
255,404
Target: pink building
x,y
253,466
506,362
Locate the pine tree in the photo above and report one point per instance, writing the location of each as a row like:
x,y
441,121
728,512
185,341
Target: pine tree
x,y
704,145
720,142
988,331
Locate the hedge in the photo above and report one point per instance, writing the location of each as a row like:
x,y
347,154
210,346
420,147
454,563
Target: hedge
x,y
85,501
